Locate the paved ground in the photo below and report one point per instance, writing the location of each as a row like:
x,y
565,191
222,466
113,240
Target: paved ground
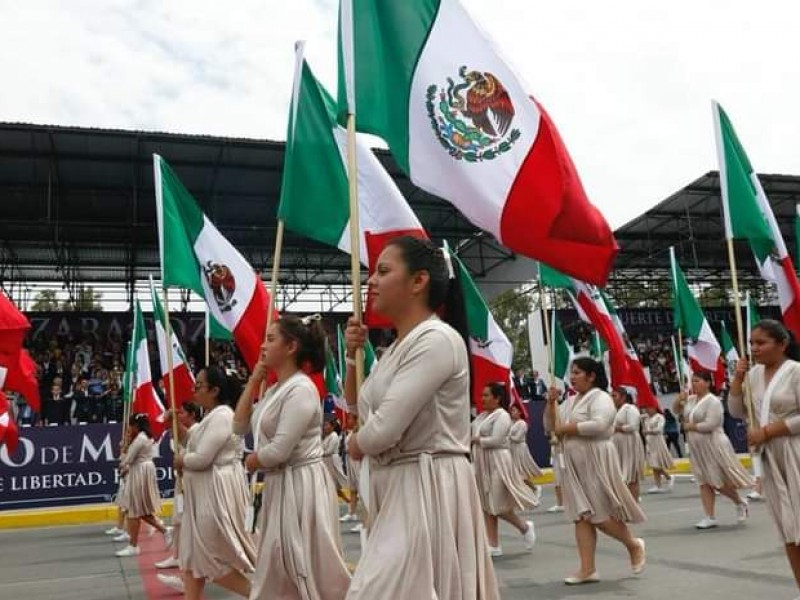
x,y
744,562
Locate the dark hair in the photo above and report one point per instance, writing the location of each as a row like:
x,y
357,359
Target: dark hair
x,y
310,340
499,390
625,394
331,418
230,388
708,378
193,409
777,331
592,367
142,422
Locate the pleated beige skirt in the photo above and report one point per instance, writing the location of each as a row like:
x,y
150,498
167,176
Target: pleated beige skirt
x,y
353,468
715,463
300,554
501,490
141,490
213,539
427,539
592,483
658,456
525,466
630,450
334,465
781,485
120,499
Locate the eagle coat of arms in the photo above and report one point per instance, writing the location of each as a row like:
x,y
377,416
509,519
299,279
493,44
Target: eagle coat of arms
x,y
222,283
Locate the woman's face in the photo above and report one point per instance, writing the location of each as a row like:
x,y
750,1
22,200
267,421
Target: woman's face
x,y
700,387
765,349
185,418
277,350
203,395
490,403
516,415
391,287
619,398
581,381
327,427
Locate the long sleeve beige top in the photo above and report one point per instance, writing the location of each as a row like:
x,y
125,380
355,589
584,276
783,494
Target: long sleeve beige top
x,y
785,402
140,450
627,418
212,441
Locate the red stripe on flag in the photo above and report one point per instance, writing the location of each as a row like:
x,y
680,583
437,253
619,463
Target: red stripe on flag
x,y
9,434
22,377
548,216
617,355
791,316
146,402
184,385
485,372
376,242
249,333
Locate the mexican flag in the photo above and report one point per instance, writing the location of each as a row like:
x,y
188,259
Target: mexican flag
x,y
369,354
145,398
490,350
561,353
9,434
333,384
424,77
748,215
184,380
728,347
704,350
194,255
751,319
18,371
314,189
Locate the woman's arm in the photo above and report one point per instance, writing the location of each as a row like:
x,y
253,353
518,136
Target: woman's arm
x,y
244,407
601,418
295,417
215,435
712,419
498,437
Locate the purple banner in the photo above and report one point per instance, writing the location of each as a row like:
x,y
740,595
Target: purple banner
x,y
67,465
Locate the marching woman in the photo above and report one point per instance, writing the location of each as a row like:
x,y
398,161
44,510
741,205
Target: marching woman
x,y
501,491
119,530
141,496
595,495
525,466
299,554
556,454
353,467
775,385
214,543
658,456
331,456
426,533
714,463
627,440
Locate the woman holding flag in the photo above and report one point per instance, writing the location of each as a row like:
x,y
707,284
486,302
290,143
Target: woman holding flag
x,y
299,555
214,544
426,533
714,462
775,386
595,496
500,489
627,440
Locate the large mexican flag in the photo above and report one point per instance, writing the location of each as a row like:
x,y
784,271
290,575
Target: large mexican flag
x,y
184,380
314,189
748,215
195,255
145,398
423,76
703,347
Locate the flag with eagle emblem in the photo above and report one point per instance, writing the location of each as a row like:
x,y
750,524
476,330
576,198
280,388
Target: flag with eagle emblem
x,y
423,76
196,256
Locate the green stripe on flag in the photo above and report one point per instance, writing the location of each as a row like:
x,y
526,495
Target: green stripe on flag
x,y
686,312
551,278
562,355
476,308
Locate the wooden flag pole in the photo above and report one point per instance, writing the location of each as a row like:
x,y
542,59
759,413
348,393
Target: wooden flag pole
x,y
208,337
355,240
748,399
547,337
173,408
680,358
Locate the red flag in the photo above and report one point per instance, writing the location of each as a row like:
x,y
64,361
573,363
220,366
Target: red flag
x,y
13,326
22,377
9,434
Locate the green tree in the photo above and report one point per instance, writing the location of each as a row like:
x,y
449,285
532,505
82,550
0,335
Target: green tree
x,y
510,310
85,299
46,300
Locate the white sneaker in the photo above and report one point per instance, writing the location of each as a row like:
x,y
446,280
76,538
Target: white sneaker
x,y
495,552
742,511
671,483
754,496
122,537
171,581
655,490
169,537
706,523
556,508
113,531
529,536
357,529
348,517
129,551
537,492
168,563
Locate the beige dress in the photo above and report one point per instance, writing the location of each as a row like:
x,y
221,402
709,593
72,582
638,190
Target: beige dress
x,y
333,460
556,447
213,537
628,443
427,538
525,467
713,460
592,483
781,455
501,490
141,496
658,456
121,499
300,554
353,467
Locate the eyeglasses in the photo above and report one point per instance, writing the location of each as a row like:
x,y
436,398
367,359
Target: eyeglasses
x,y
200,385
